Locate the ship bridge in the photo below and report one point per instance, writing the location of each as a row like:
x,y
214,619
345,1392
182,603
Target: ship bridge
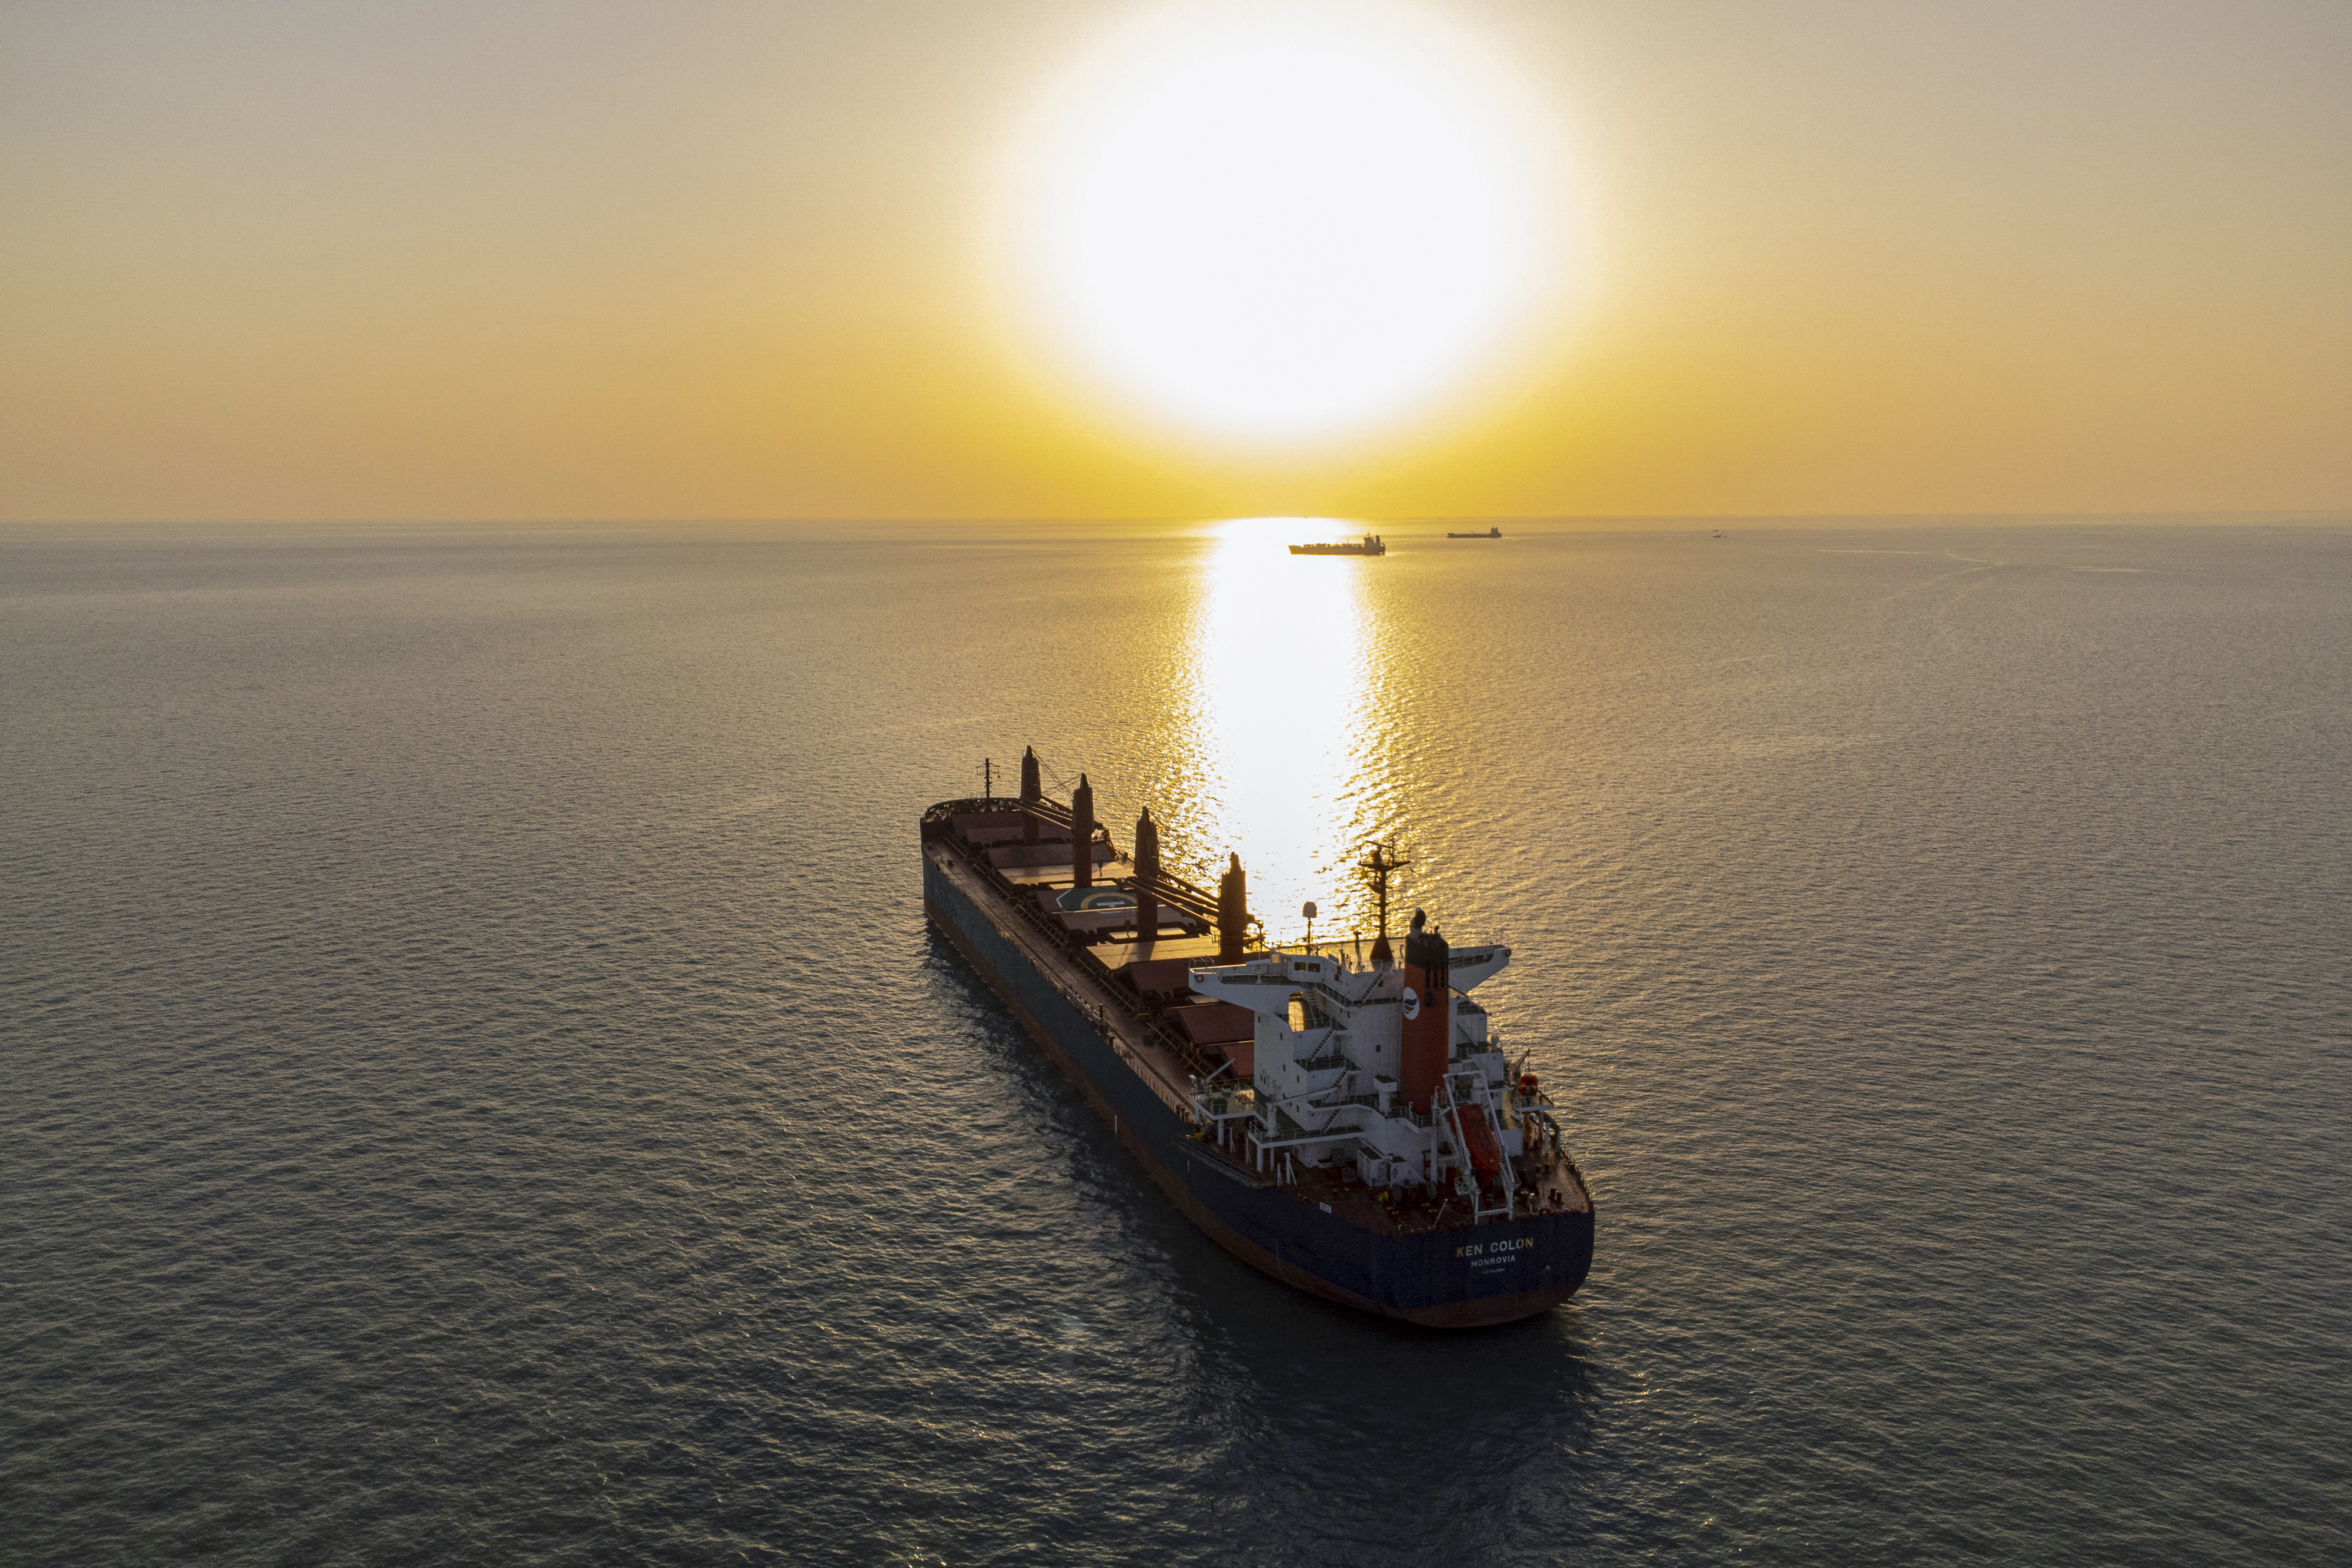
x,y
1386,1070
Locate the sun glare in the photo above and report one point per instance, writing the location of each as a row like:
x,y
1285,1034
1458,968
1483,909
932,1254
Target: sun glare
x,y
1284,784
1283,221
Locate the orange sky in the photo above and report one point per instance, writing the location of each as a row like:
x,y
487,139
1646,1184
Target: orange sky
x,y
603,261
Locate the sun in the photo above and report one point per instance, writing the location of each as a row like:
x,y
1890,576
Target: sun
x,y
1283,221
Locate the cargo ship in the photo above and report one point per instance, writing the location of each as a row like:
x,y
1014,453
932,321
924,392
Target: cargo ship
x,y
1489,534
1370,544
1350,1124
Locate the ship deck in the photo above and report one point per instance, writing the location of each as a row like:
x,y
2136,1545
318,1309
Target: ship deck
x,y
1353,1201
1168,1076
1550,1185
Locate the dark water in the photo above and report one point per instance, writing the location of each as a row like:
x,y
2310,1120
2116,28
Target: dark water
x,y
478,1087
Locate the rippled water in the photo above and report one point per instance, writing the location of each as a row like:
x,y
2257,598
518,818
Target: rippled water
x,y
480,1087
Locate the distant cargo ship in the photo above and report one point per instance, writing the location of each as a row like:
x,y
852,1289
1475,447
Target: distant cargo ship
x,y
1370,544
1489,534
1348,1124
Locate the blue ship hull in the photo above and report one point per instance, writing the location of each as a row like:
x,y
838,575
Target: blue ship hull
x,y
1457,1278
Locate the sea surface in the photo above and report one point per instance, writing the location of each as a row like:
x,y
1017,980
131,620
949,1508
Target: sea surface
x,y
476,1084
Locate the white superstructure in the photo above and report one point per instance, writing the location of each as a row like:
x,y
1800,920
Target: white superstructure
x,y
1332,1085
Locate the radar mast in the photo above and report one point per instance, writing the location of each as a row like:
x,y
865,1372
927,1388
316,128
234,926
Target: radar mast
x,y
1377,865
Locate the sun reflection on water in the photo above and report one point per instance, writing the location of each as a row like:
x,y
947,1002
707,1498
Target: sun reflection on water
x,y
1279,682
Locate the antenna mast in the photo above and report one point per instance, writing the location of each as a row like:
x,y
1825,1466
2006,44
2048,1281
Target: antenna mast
x,y
1378,865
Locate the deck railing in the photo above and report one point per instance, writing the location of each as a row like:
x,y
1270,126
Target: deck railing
x,y
1017,898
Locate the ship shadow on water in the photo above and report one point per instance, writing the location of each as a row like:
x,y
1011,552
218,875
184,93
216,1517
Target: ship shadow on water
x,y
1364,1439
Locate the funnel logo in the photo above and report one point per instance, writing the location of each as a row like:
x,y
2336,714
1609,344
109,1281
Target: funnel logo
x,y
1411,1003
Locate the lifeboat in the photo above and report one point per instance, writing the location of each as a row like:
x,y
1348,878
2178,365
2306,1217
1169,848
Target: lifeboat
x,y
1478,1138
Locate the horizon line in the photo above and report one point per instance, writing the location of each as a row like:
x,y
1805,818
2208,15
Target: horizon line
x,y
2241,515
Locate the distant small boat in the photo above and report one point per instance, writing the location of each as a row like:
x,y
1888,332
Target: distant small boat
x,y
1370,545
1489,534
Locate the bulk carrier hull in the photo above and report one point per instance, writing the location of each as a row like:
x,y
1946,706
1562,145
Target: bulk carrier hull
x,y
1458,1276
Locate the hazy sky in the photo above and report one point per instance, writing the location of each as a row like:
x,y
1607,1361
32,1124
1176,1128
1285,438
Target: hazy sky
x,y
635,261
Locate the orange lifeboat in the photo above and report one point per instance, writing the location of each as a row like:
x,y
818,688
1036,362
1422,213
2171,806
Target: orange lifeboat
x,y
1478,1139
